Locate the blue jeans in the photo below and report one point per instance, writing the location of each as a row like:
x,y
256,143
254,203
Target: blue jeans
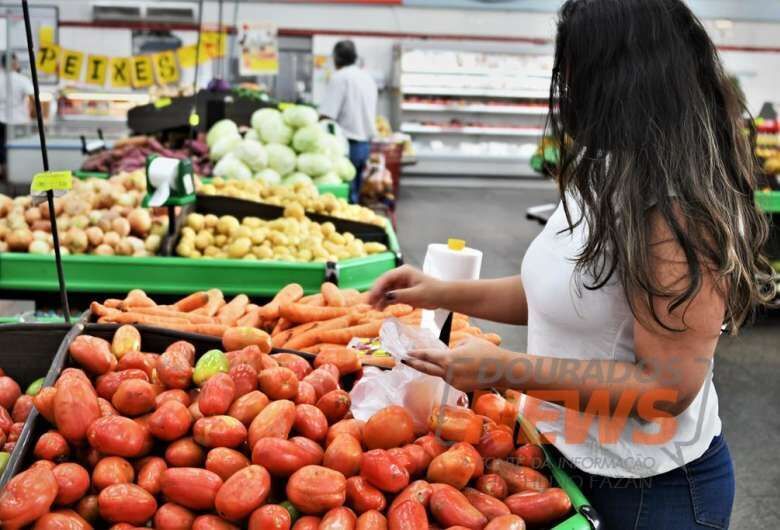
x,y
359,152
696,496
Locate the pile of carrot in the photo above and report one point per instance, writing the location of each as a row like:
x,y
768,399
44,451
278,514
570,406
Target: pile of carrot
x,y
329,319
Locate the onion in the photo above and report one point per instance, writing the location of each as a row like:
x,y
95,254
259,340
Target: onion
x,y
38,247
140,222
104,250
19,240
94,235
121,226
111,239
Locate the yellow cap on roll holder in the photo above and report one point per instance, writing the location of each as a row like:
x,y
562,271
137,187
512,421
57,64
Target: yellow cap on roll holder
x,y
456,244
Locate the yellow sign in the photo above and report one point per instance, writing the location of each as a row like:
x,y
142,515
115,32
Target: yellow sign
x,y
186,56
162,103
70,65
47,59
165,67
45,36
97,65
215,44
51,181
259,54
120,72
143,72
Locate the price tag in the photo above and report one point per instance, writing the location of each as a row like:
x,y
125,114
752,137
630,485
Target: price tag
x,y
194,119
58,182
162,103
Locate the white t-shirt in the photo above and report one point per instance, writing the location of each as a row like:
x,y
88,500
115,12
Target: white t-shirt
x,y
21,88
350,99
568,321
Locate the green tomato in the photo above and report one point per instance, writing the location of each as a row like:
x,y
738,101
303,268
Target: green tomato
x,y
212,362
34,387
292,510
4,457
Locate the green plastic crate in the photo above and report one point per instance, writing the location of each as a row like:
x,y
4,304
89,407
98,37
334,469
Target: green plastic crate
x,y
768,201
339,190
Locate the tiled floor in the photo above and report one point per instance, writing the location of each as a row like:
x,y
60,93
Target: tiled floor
x,y
747,368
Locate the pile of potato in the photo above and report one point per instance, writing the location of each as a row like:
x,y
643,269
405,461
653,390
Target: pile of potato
x,y
293,237
304,194
97,216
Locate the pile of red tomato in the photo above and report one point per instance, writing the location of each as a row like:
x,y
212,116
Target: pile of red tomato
x,y
266,442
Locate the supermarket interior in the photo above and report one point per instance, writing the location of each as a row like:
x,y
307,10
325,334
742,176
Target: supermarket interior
x,y
321,264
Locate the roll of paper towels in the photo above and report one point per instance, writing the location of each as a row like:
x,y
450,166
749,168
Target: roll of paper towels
x,y
453,261
162,174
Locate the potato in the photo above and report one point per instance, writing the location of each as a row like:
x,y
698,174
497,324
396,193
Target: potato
x,y
227,224
210,251
241,232
240,247
188,233
184,249
220,240
196,221
373,247
210,220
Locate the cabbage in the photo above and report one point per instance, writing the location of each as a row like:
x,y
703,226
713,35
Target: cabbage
x,y
230,167
252,153
224,145
221,129
309,139
300,116
344,168
332,146
314,164
280,158
328,179
251,134
296,178
275,132
259,117
269,176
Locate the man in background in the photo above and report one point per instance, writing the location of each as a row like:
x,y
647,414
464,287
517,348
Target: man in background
x,y
14,110
350,100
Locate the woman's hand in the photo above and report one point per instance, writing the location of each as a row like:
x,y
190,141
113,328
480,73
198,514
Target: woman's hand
x,y
474,364
406,285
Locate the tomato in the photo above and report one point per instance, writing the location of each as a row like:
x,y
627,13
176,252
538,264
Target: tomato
x,y
419,491
335,405
93,354
219,431
51,446
44,402
170,421
171,516
75,407
224,462
248,406
344,454
72,483
493,485
244,492
88,509
506,522
316,489
306,394
432,444
408,515
381,471
310,422
274,421
217,394
530,455
323,379
294,362
126,503
518,478
540,508
489,506
212,522
107,384
371,520
363,497
456,424
184,453
350,426
340,518
174,370
278,383
112,470
244,377
450,507
270,517
150,472
496,444
345,359
175,394
283,457
390,427
22,408
191,487
117,435
307,522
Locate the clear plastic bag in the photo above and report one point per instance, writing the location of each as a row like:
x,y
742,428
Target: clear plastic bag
x,y
417,392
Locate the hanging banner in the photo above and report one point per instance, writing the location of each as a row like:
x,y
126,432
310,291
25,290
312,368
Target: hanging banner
x,y
70,65
165,67
143,72
97,65
120,72
47,59
259,50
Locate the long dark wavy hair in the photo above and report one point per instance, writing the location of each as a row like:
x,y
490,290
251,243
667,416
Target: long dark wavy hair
x,y
645,116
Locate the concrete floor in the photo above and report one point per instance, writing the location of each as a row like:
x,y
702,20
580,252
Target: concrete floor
x,y
747,367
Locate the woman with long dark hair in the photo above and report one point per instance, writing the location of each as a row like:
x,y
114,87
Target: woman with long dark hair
x,y
654,249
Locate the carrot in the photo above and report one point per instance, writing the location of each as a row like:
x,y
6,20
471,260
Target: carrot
x,y
352,297
313,299
137,298
141,318
164,311
281,325
250,319
102,311
289,294
301,337
216,300
280,339
300,313
344,335
113,303
395,310
214,330
192,302
229,313
332,295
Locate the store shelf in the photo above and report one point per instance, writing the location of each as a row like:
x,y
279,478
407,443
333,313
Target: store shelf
x,y
95,118
414,128
529,110
522,73
479,92
456,155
